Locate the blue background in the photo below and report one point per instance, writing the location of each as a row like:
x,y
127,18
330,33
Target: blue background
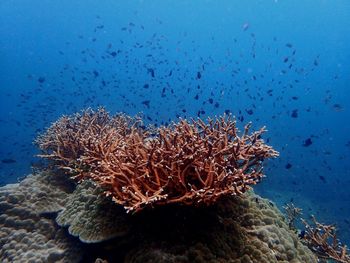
x,y
283,64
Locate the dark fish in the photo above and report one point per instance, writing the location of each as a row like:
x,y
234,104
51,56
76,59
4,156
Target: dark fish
x,y
8,161
146,103
113,54
250,111
288,166
322,178
337,107
199,75
294,114
41,79
289,45
151,71
307,142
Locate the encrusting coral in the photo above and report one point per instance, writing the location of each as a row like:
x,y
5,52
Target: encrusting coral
x,y
189,162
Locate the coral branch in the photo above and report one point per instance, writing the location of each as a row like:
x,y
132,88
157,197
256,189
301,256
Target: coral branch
x,y
322,240
188,162
293,213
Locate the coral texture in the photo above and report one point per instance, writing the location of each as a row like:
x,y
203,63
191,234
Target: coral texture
x,y
92,217
236,229
189,162
322,240
27,234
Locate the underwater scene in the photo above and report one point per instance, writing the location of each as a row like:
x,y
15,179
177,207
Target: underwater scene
x,y
175,131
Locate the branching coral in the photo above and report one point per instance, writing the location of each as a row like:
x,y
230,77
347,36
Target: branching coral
x,y
189,162
322,240
292,214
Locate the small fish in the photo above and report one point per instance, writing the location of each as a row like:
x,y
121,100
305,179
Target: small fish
x,y
8,161
307,142
288,166
41,79
294,114
337,107
96,74
322,178
245,26
249,111
146,103
151,71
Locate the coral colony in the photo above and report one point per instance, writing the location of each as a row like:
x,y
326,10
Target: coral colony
x,y
189,162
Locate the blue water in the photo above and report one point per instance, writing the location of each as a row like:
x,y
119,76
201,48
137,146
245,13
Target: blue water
x,y
282,63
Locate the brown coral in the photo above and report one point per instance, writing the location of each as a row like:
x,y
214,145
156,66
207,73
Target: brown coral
x,y
189,162
322,240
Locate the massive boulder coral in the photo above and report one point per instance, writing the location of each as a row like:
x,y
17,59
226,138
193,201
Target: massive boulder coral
x,y
27,233
236,229
92,217
190,162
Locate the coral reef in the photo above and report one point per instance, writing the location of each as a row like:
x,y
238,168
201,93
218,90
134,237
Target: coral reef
x,y
163,174
236,229
189,162
27,233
